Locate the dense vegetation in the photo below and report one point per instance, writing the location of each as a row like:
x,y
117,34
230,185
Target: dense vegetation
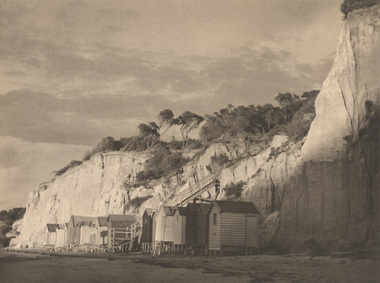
x,y
163,163
351,5
258,120
9,217
233,191
292,117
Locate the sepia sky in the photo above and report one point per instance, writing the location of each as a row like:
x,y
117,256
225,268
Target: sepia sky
x,y
73,72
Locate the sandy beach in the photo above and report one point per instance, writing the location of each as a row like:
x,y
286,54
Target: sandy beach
x,y
41,266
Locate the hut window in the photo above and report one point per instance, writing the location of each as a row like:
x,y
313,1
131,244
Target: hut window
x,y
214,218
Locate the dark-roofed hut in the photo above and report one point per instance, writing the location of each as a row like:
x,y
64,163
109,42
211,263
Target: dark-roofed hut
x,y
179,226
233,226
191,223
51,234
203,226
147,229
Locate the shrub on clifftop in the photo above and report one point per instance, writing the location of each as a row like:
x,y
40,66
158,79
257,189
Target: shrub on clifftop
x,y
351,5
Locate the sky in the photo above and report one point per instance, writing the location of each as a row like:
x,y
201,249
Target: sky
x,y
73,72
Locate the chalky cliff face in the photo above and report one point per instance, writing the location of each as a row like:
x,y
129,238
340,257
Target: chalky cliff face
x,y
93,189
334,195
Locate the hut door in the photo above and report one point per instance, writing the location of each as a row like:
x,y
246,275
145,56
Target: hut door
x,y
250,230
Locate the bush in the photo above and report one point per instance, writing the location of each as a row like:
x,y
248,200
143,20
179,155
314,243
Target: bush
x,y
219,159
234,190
163,163
136,202
351,5
10,217
72,164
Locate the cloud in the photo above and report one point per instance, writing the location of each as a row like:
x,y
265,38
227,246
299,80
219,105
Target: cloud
x,y
24,165
255,76
42,117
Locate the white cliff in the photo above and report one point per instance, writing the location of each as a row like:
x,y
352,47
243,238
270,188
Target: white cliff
x,y
333,197
94,188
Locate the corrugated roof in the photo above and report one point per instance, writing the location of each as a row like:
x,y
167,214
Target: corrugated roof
x,y
193,207
102,220
236,206
52,227
181,210
121,218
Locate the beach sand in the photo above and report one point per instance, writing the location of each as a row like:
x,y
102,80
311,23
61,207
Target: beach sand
x,y
42,266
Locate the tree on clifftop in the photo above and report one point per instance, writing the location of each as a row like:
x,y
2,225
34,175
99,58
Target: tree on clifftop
x,y
188,121
149,133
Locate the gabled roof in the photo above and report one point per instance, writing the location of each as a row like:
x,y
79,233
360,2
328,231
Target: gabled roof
x,y
78,221
235,206
181,210
60,226
205,207
51,227
193,207
148,211
102,221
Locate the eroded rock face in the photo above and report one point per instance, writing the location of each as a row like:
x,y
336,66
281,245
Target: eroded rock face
x,y
93,189
332,197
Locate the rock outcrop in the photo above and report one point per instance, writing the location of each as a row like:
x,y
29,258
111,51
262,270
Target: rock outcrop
x,y
333,197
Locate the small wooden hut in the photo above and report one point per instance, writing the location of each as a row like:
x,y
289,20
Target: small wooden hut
x,y
147,229
117,229
88,231
179,227
61,235
164,224
203,226
51,234
233,226
191,223
74,229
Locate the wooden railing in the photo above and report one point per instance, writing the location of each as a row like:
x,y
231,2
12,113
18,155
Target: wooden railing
x,y
185,196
